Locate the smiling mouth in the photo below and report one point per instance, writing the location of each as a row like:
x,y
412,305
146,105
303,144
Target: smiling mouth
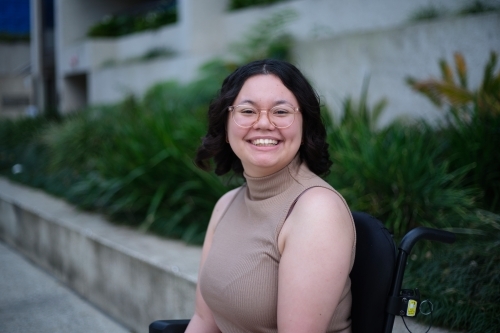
x,y
264,142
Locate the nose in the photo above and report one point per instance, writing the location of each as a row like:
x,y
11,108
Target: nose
x,y
263,121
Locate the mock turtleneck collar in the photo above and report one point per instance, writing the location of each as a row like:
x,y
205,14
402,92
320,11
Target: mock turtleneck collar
x,y
261,188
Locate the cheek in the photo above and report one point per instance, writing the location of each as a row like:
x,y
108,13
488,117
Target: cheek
x,y
299,130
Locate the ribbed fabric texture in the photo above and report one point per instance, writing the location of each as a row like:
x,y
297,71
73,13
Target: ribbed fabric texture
x,y
239,280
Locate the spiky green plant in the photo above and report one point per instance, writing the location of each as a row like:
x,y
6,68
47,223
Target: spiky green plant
x,y
472,128
239,4
396,173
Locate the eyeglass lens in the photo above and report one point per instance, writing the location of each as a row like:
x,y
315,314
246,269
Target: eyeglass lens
x,y
280,116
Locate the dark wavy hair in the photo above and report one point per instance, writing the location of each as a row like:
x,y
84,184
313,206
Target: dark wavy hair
x,y
314,149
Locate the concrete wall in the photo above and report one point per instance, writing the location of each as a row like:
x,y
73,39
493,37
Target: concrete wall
x,y
135,278
73,18
322,28
337,66
328,18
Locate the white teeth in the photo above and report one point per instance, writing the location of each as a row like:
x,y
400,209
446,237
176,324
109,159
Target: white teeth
x,y
265,142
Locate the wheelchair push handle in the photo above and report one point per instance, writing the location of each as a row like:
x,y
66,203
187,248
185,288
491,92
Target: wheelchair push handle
x,y
419,233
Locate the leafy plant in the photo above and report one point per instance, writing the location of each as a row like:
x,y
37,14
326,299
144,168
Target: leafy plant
x,y
477,7
12,37
24,158
396,173
15,136
135,158
462,280
238,4
427,13
471,130
432,12
124,24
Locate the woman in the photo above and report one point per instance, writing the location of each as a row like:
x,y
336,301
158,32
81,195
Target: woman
x,y
279,249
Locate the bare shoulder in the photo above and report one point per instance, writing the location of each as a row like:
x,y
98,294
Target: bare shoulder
x,y
319,213
322,202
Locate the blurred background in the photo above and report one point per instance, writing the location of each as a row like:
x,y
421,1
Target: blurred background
x,y
103,103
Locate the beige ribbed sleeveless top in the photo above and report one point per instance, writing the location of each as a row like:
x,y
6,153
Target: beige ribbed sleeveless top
x,y
239,280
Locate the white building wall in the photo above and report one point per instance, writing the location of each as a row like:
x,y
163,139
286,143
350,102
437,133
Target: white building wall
x,y
320,19
361,36
338,66
73,19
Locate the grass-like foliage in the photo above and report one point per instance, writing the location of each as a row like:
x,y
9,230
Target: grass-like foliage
x,y
15,138
127,23
427,13
461,280
432,12
238,4
471,130
396,173
7,37
136,158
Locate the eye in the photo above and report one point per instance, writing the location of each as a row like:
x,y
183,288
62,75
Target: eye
x,y
246,110
281,111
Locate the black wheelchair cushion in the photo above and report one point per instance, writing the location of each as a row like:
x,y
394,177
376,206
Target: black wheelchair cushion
x,y
372,274
169,326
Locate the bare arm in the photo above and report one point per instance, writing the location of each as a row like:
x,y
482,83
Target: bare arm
x,y
203,319
316,244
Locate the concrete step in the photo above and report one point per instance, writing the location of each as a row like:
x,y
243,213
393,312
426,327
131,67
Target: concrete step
x,y
134,277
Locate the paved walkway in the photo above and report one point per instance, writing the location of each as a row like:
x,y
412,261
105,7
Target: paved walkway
x,y
33,301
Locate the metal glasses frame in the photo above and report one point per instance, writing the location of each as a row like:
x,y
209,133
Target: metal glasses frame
x,y
233,107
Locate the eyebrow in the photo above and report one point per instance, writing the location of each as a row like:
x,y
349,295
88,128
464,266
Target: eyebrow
x,y
278,102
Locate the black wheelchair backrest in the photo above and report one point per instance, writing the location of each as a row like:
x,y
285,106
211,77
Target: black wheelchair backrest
x,y
372,273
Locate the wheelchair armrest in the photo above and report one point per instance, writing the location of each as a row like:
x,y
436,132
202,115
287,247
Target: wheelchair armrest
x,y
419,233
169,326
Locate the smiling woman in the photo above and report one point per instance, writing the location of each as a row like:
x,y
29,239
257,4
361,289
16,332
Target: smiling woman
x,y
278,249
262,147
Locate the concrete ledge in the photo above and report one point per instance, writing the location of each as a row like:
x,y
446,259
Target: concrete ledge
x,y
135,278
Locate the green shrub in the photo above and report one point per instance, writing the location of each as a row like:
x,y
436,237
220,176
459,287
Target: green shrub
x,y
15,136
477,7
396,173
471,131
124,24
8,37
24,157
238,4
432,12
136,157
427,13
461,280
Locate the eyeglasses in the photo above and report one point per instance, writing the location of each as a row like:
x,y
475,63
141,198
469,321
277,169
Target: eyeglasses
x,y
280,116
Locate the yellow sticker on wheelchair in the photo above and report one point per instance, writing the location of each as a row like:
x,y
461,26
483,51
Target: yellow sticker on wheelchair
x,y
412,308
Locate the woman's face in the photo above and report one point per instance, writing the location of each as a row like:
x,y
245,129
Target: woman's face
x,y
264,149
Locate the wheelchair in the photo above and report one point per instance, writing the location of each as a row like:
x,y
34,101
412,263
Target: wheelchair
x,y
376,278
